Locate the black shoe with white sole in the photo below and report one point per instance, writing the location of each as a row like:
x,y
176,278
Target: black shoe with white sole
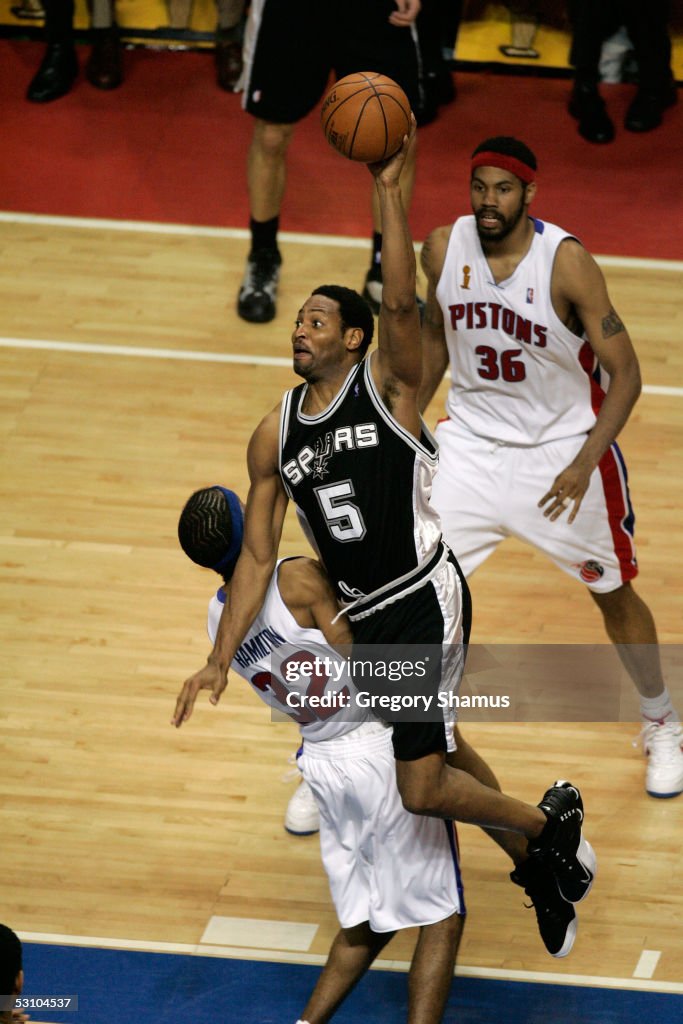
x,y
561,847
556,917
258,292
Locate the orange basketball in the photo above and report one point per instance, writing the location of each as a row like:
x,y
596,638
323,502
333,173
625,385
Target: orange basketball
x,y
365,116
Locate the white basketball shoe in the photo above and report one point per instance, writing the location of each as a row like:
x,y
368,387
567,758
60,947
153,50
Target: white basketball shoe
x,y
662,743
301,816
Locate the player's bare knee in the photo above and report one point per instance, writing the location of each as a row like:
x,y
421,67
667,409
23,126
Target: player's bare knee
x,y
273,139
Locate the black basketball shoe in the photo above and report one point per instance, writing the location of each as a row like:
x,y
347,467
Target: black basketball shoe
x,y
256,300
560,845
556,917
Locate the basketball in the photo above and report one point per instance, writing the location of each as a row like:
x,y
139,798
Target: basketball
x,y
365,116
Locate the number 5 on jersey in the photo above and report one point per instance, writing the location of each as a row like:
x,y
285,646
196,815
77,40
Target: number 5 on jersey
x,y
343,518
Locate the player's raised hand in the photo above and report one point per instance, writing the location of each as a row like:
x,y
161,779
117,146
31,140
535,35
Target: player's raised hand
x,y
211,677
388,171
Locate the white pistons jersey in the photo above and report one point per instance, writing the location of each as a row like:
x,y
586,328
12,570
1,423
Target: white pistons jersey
x,y
519,375
273,657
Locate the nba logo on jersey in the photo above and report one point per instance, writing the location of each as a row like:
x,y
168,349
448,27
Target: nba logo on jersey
x,y
529,295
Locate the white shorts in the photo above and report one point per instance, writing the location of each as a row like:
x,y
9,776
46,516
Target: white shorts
x,y
385,866
486,491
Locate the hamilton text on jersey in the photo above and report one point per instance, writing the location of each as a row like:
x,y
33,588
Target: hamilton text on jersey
x,y
258,646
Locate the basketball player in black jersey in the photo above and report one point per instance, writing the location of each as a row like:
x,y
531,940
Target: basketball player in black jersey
x,y
350,448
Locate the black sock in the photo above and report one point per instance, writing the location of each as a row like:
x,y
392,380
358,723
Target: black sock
x,y
264,233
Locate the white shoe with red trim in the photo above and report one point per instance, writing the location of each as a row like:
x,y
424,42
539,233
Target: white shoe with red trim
x,y
662,743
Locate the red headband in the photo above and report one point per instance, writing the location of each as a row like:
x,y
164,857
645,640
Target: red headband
x,y
508,163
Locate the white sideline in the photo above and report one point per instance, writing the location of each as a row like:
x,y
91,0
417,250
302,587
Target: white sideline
x,y
144,352
296,237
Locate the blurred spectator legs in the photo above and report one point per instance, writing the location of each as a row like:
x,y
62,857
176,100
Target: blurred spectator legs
x,y
434,24
228,50
29,10
104,69
524,15
646,25
229,33
59,67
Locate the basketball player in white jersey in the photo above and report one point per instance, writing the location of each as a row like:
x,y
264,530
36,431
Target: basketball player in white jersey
x,y
381,861
388,869
520,311
350,448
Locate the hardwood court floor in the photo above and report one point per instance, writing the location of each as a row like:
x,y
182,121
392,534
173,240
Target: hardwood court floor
x,y
116,825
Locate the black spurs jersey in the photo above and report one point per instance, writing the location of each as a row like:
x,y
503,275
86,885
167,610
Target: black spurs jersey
x,y
362,483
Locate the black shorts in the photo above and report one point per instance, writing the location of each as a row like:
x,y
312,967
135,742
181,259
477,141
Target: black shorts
x,y
293,46
419,619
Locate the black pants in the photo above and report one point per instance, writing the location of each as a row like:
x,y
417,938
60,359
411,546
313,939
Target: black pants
x,y
59,20
414,623
646,24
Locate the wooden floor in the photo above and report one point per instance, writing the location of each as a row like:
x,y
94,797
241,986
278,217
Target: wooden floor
x,y
115,824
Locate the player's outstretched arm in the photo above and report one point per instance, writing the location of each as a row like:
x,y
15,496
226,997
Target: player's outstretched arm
x,y
578,283
434,348
263,520
397,364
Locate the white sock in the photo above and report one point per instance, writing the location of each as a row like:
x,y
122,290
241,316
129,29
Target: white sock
x,y
658,709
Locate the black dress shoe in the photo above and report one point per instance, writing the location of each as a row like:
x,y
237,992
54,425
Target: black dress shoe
x,y
104,69
645,112
588,107
56,74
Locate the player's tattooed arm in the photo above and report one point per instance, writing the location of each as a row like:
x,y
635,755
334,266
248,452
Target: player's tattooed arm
x,y
612,324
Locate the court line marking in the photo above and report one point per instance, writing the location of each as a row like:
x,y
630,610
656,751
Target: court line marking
x,y
295,237
294,936
142,352
647,963
315,959
188,230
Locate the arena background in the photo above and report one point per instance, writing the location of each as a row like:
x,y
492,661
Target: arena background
x,y
146,868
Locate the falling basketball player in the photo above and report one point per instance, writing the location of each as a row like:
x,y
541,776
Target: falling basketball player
x,y
388,869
